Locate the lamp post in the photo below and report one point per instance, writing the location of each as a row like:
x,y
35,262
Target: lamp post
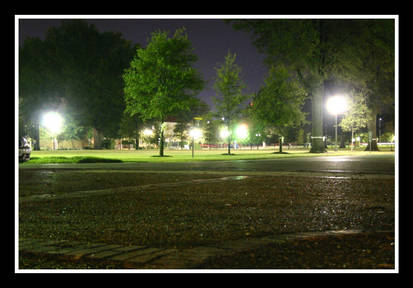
x,y
195,133
335,105
380,128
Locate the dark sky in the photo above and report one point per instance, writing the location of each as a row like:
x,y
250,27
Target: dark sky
x,y
211,40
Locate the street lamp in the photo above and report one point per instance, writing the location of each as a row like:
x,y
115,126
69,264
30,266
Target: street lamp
x,y
195,133
53,123
335,105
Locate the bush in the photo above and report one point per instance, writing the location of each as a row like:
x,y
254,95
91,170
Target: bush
x,y
108,144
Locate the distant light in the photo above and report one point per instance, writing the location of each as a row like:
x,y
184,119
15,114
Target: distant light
x,y
224,133
195,133
53,122
337,104
242,131
148,132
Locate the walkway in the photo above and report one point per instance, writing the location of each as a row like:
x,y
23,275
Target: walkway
x,y
141,257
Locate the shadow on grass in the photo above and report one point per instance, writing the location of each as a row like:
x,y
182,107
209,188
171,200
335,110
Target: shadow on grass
x,y
159,156
75,159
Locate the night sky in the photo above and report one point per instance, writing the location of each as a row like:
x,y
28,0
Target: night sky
x,y
211,40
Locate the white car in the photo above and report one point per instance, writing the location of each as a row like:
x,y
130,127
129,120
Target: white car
x,y
24,149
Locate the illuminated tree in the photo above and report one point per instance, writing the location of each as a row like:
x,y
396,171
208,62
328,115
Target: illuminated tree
x,y
161,80
278,104
228,86
360,50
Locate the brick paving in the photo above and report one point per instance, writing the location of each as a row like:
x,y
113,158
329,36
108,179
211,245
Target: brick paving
x,y
141,257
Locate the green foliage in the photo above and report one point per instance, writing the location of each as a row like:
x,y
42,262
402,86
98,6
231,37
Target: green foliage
x,y
360,51
108,144
228,87
161,80
278,104
78,70
355,118
181,132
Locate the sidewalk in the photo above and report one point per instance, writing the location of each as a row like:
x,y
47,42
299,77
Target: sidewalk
x,y
140,257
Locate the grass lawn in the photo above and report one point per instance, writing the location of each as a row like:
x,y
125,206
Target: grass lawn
x,y
95,156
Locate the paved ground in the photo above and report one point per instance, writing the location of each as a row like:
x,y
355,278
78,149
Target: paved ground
x,y
141,257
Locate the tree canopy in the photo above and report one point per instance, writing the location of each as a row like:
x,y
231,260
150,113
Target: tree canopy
x,y
161,80
228,87
278,104
77,70
322,49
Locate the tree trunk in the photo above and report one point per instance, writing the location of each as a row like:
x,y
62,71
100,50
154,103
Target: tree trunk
x,y
371,125
37,137
281,144
317,144
229,145
161,144
97,139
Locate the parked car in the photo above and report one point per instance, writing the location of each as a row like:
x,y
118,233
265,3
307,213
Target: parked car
x,y
24,149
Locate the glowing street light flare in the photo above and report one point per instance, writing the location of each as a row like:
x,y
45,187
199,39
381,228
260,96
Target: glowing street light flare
x,y
53,122
335,105
224,133
147,132
242,131
195,133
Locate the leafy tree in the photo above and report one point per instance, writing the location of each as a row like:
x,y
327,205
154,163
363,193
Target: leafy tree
x,y
181,131
378,69
228,87
321,49
161,80
278,104
130,128
37,89
355,118
88,66
76,69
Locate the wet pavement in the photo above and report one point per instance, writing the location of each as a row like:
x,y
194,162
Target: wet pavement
x,y
144,257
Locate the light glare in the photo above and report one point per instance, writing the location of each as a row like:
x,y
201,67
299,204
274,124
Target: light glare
x,y
147,132
242,131
224,133
195,133
337,104
53,122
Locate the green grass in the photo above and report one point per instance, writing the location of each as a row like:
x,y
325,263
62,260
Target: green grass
x,y
72,159
113,156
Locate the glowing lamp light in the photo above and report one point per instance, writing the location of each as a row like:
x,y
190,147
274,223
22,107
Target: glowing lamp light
x,y
242,131
53,122
224,133
147,132
195,133
337,104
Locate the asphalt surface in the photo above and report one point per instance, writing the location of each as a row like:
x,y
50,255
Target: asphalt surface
x,y
366,164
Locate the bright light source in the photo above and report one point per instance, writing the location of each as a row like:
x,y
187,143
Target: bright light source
x,y
53,122
337,104
147,132
242,131
224,133
195,133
